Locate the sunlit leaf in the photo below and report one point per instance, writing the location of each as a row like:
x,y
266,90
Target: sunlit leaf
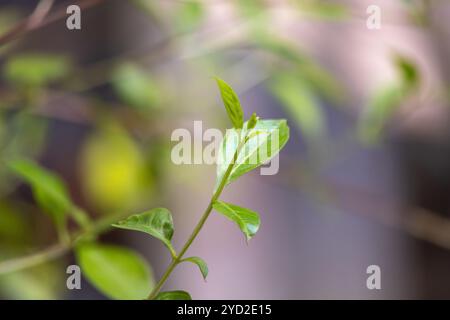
x,y
173,295
117,272
267,138
295,95
156,222
232,104
36,69
247,220
135,87
200,263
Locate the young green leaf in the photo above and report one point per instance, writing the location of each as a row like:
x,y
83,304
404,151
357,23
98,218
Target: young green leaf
x,y
247,220
201,265
173,295
156,222
116,271
48,189
251,123
265,141
232,104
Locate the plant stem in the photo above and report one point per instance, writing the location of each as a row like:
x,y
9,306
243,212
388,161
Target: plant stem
x,y
57,250
177,259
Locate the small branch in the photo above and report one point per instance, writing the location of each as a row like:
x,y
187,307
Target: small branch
x,y
57,250
48,254
175,261
40,18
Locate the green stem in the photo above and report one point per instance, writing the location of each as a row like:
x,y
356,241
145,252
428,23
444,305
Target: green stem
x,y
177,259
59,249
80,217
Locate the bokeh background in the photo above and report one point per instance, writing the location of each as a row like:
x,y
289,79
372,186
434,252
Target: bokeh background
x,y
364,179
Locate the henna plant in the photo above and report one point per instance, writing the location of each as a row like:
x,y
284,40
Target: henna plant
x,y
158,222
121,273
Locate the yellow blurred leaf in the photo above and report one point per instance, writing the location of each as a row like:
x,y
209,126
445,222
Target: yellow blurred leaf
x,y
112,169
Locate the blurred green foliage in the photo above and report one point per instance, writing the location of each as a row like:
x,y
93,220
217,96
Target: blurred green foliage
x,y
36,70
388,99
135,87
48,189
116,271
113,169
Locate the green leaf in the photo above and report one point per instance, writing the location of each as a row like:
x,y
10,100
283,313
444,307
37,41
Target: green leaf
x,y
251,123
36,70
300,102
381,107
156,222
48,189
247,220
173,295
116,271
201,265
409,75
135,87
232,104
265,141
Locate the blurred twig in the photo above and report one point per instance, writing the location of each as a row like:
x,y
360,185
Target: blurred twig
x,y
41,17
40,12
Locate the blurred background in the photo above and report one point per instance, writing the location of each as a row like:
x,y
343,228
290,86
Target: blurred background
x,y
364,179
